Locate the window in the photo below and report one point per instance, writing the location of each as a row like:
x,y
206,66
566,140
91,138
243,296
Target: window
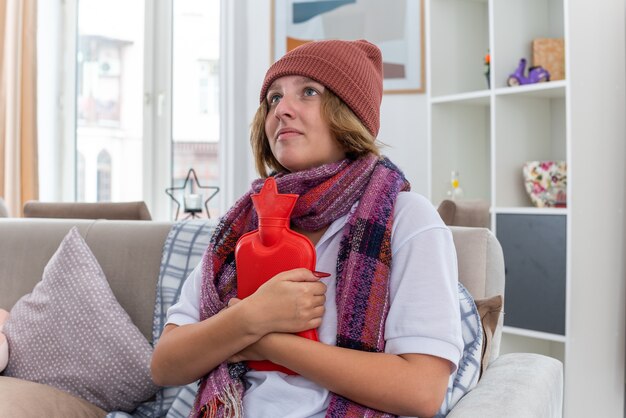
x,y
104,177
145,88
195,110
208,83
80,178
109,98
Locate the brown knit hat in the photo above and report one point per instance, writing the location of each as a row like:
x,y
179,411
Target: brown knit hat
x,y
350,69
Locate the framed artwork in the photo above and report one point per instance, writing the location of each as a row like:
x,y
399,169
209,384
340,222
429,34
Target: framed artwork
x,y
395,26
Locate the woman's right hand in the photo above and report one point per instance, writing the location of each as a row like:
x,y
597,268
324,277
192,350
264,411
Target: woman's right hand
x,y
292,301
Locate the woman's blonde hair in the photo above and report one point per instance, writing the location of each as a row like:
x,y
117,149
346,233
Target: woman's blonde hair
x,y
344,125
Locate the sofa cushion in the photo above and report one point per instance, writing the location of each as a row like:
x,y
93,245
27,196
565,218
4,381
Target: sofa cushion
x,y
71,333
24,399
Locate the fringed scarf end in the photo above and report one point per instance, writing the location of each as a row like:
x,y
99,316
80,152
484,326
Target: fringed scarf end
x,y
228,404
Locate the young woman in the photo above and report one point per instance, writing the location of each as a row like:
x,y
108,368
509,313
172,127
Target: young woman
x,y
387,317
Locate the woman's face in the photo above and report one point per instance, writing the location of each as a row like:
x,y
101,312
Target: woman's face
x,y
298,135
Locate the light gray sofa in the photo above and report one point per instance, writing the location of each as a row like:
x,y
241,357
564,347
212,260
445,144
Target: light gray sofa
x,y
129,252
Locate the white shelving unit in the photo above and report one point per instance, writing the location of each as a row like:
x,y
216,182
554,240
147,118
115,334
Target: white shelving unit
x,y
487,134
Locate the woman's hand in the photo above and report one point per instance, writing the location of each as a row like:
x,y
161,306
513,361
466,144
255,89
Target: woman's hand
x,y
258,351
253,351
291,301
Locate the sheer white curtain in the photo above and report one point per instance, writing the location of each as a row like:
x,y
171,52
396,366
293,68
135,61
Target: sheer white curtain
x,y
18,118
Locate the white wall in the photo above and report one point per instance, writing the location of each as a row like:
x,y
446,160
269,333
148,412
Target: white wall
x,y
404,128
403,116
594,356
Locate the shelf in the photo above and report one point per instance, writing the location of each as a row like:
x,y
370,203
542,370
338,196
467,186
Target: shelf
x,y
529,211
515,25
461,146
488,134
534,334
528,127
551,90
457,66
475,97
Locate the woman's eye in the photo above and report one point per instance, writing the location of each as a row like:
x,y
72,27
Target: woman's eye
x,y
273,99
309,91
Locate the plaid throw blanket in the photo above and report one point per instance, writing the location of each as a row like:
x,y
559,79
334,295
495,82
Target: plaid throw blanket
x,y
466,375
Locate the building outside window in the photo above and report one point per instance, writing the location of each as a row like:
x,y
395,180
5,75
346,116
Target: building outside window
x,y
80,177
104,177
109,99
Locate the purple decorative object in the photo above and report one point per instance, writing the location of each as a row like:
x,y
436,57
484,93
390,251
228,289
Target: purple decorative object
x,y
535,75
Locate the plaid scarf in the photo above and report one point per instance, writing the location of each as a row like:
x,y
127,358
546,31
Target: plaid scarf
x,y
363,265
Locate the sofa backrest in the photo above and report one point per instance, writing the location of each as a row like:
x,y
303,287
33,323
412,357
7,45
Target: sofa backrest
x,y
467,212
481,268
129,253
88,210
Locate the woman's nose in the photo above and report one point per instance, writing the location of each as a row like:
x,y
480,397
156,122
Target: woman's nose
x,y
284,108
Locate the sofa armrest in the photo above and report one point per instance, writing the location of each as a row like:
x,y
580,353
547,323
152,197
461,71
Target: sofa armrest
x,y
516,385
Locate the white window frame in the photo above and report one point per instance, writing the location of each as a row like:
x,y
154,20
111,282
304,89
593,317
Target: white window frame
x,y
67,100
157,128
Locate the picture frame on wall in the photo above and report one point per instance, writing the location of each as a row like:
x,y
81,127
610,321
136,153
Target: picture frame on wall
x,y
396,27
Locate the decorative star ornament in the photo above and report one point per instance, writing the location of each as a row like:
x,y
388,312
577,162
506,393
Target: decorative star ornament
x,y
192,212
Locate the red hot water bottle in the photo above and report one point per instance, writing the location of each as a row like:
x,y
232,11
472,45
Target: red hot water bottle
x,y
271,249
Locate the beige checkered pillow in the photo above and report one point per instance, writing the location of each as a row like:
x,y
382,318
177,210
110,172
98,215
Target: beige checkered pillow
x,y
71,333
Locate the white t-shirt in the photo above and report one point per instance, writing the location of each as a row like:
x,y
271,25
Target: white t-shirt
x,y
423,315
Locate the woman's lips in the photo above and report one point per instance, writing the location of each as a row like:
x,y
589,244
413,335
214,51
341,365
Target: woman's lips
x,y
287,133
